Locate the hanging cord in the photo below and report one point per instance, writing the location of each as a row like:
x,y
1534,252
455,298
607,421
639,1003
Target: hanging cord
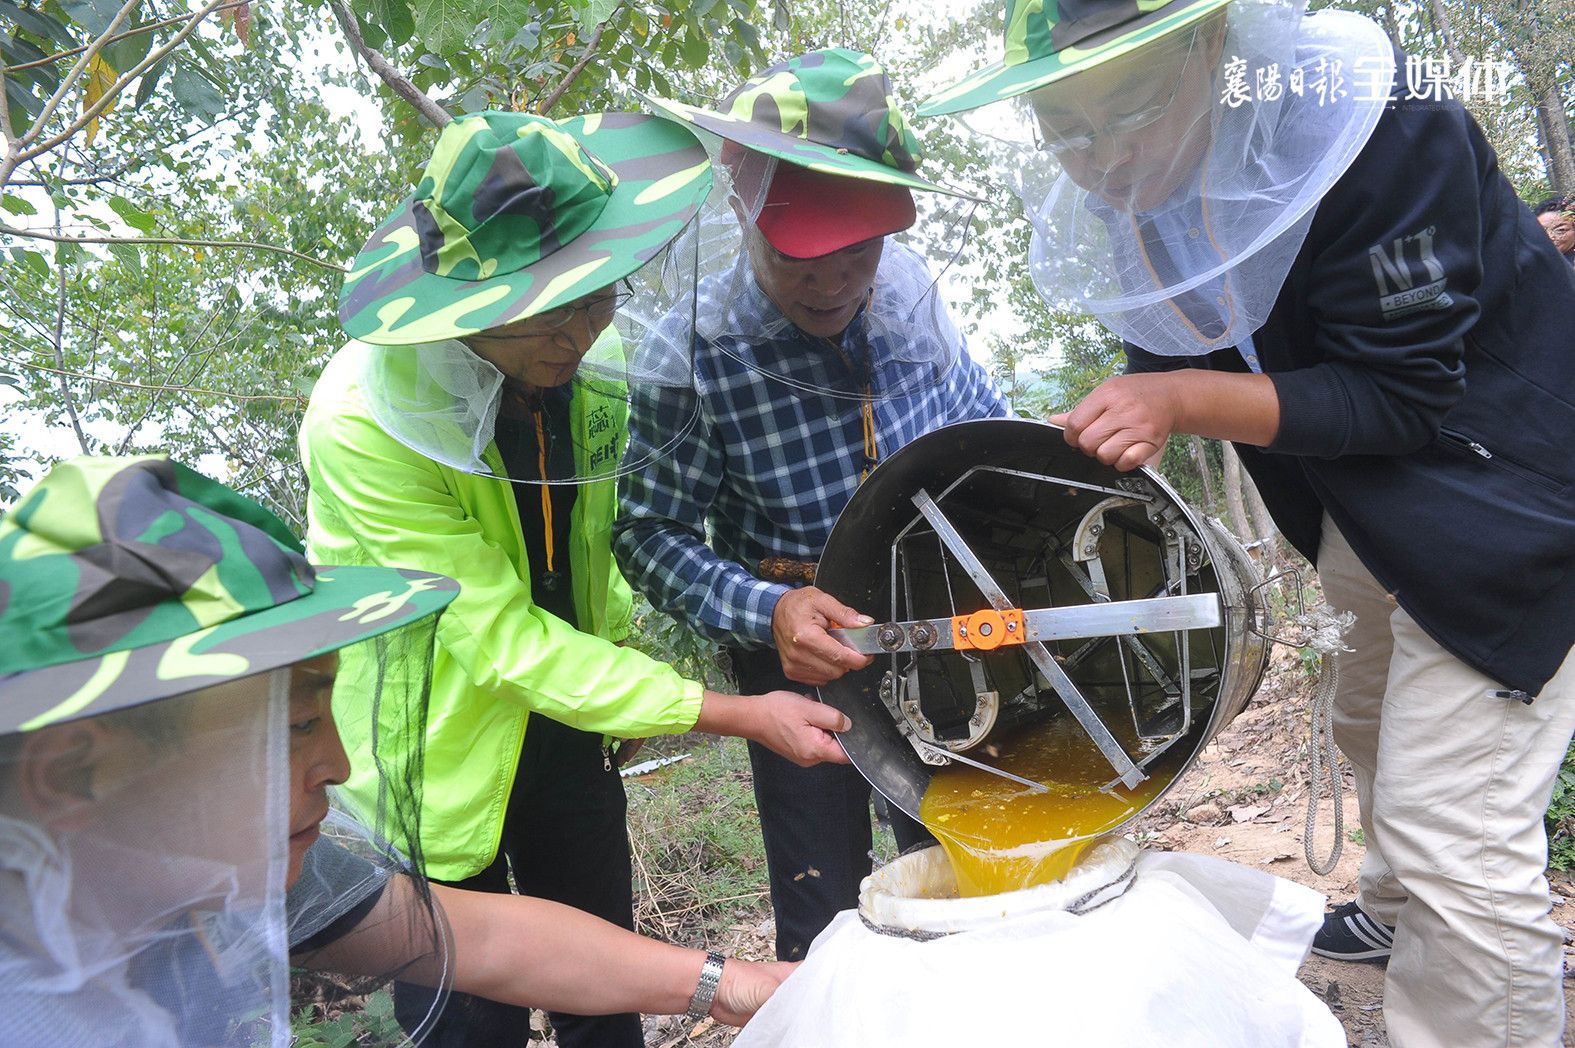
x,y
546,489
1325,631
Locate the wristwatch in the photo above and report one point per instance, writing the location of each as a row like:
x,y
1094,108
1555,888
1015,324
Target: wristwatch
x,y
705,992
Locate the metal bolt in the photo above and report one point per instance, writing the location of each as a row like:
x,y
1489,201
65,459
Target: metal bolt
x,y
985,629
1011,627
1091,548
889,636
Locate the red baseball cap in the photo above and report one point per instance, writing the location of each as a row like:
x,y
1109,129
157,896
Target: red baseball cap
x,y
807,213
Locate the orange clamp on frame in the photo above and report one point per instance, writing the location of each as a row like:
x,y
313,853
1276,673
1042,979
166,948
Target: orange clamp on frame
x,y
987,630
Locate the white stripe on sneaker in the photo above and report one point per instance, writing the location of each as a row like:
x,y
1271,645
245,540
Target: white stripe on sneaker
x,y
1382,933
1360,933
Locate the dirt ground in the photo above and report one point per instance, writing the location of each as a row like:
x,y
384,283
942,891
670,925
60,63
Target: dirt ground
x,y
1244,800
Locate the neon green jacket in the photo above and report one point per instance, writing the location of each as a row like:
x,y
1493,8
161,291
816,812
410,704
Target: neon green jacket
x,y
498,656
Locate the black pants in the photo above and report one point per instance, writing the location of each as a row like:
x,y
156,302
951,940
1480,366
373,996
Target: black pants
x,y
815,822
564,838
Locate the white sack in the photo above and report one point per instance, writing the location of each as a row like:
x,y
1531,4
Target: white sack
x,y
1198,951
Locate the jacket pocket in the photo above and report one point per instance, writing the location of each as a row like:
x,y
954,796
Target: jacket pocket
x,y
1461,444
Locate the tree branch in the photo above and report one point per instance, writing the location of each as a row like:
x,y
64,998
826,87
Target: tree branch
x,y
574,71
57,344
74,74
150,27
112,93
36,234
397,81
65,373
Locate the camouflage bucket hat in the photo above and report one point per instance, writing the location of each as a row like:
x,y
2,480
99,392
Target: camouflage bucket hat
x,y
1047,40
830,111
517,214
127,580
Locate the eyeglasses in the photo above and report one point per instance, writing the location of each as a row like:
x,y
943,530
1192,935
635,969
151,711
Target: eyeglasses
x,y
601,306
1059,140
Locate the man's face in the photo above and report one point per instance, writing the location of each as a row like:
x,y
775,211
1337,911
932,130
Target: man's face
x,y
1135,129
545,350
1560,228
819,295
317,757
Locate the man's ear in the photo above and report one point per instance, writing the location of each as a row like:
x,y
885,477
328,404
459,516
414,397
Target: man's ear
x,y
55,768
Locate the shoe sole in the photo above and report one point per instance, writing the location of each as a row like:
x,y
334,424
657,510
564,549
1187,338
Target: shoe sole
x,y
1367,957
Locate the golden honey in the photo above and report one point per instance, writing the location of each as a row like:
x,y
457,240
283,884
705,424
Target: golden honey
x,y
1001,836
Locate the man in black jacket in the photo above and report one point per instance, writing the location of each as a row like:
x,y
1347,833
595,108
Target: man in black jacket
x,y
1349,290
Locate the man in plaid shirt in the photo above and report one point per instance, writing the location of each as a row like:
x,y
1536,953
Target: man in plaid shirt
x,y
821,351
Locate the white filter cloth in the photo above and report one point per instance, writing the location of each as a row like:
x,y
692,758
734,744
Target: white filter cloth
x,y
1197,951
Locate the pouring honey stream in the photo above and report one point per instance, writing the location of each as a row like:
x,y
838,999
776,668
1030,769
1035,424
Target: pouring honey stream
x,y
1002,836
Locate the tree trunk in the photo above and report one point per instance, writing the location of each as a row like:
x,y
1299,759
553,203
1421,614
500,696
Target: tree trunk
x,y
1553,128
1234,505
1262,522
1200,455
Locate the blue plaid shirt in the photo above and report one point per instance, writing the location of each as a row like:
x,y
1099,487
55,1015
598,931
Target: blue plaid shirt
x,y
767,466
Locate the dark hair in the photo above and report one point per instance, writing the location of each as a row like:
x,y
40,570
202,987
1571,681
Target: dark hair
x,y
1554,203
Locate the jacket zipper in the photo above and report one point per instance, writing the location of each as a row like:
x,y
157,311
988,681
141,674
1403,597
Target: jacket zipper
x,y
1465,443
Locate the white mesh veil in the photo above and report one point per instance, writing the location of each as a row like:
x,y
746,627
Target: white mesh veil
x,y
443,399
142,874
146,864
1160,173
901,341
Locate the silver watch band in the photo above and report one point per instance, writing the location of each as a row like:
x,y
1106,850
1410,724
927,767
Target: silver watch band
x,y
705,991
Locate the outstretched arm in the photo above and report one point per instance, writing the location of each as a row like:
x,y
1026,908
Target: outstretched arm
x,y
534,953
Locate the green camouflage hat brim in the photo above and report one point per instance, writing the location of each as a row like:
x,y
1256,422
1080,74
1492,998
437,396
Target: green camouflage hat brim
x,y
129,579
793,149
663,175
1007,78
349,605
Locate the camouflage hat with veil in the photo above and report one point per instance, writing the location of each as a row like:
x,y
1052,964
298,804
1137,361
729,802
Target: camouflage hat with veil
x,y
168,652
1170,155
814,156
560,232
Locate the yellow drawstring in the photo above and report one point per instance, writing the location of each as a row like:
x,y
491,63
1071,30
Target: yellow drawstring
x,y
871,453
546,489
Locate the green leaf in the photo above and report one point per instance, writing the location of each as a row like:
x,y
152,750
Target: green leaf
x,y
125,54
443,25
595,12
696,47
38,23
129,256
93,15
150,80
389,20
67,252
195,94
17,205
133,216
747,34
33,260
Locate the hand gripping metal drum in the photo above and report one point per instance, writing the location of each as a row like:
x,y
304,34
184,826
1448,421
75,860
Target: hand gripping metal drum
x,y
1014,581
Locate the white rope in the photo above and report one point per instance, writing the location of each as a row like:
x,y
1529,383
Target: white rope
x,y
1325,631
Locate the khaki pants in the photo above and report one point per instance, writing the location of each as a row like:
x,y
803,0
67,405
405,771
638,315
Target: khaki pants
x,y
1452,785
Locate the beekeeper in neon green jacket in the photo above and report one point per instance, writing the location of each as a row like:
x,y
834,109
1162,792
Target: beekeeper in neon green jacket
x,y
476,428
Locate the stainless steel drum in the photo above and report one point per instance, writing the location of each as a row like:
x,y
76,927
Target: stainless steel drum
x,y
1015,580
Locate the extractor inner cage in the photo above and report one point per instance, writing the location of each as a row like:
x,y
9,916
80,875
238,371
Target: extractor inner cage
x,y
1015,581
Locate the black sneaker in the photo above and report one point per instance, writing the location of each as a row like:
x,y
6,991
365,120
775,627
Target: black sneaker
x,y
1348,934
